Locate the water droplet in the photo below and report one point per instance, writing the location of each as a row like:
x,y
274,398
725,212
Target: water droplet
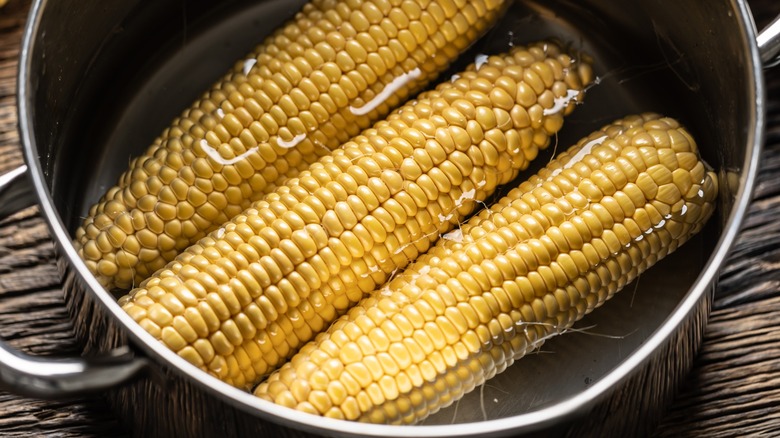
x,y
214,154
580,155
466,196
454,236
292,143
386,92
371,270
480,60
248,64
560,103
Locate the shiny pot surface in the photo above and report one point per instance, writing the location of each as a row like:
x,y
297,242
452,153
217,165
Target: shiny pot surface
x,y
90,100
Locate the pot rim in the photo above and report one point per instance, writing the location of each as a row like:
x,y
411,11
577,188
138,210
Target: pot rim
x,y
526,422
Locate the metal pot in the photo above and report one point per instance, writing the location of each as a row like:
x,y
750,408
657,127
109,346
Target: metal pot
x,y
118,80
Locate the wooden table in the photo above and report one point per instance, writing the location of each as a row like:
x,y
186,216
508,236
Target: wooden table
x,y
733,390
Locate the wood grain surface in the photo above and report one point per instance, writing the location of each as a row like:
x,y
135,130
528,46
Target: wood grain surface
x,y
733,390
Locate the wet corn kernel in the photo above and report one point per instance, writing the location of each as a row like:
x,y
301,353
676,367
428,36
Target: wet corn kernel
x,y
545,287
314,83
341,267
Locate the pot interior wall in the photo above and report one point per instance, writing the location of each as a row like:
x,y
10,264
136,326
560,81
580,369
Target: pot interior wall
x,y
102,94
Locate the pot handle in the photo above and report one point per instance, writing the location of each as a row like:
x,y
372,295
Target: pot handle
x,y
54,378
769,44
15,191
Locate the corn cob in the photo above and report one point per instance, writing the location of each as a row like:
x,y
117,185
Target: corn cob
x,y
245,298
332,71
552,250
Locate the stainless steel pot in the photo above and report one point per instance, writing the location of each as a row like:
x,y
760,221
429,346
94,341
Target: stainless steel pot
x,y
109,83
